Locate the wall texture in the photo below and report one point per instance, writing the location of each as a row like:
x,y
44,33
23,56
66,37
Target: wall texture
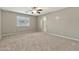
x,y
64,22
0,24
9,23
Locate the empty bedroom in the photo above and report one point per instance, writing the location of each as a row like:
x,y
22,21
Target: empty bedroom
x,y
39,28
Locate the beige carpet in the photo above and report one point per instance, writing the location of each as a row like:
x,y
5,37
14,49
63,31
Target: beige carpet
x,y
37,42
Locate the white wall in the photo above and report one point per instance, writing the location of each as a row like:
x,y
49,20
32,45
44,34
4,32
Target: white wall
x,y
0,24
9,23
64,22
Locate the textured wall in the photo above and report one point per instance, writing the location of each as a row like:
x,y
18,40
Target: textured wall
x,y
9,23
64,22
0,24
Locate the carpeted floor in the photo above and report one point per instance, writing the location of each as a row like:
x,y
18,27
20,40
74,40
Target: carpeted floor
x,y
37,42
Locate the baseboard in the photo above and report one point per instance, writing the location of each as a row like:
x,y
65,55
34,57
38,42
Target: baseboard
x,y
63,36
8,34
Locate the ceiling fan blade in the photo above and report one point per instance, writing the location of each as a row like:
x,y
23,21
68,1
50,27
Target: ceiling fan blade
x,y
32,12
39,10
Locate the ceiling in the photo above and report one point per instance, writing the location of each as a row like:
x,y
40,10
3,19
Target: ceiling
x,y
27,10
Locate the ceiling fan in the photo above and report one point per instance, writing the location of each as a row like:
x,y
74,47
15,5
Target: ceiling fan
x,y
35,10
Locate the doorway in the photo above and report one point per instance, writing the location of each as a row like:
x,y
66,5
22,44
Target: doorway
x,y
44,24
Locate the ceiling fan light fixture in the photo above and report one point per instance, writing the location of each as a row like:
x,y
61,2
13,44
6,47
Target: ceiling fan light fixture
x,y
34,12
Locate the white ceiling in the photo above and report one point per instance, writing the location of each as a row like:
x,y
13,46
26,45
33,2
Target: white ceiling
x,y
26,10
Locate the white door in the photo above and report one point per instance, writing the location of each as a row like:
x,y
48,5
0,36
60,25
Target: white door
x,y
44,24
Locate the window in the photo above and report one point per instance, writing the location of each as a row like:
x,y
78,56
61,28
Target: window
x,y
23,21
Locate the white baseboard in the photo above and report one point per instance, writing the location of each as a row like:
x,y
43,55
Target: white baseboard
x,y
8,34
47,33
63,36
